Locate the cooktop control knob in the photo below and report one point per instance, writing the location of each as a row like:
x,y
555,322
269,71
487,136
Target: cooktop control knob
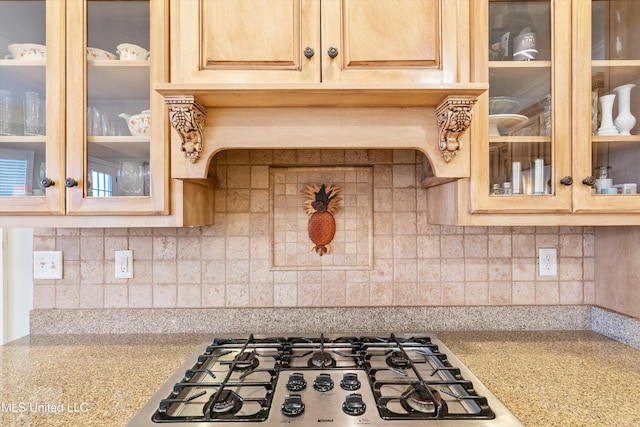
x,y
323,382
354,405
296,382
293,405
350,381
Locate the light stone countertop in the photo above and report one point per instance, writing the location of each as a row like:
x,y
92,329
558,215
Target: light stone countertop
x,y
557,378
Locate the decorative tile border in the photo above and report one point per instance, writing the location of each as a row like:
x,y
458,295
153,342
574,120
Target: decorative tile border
x,y
352,247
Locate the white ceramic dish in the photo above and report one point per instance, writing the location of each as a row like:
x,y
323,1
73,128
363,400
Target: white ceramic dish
x,y
498,122
93,53
27,51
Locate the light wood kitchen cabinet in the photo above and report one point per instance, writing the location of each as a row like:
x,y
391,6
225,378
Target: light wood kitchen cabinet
x,y
100,155
306,41
542,117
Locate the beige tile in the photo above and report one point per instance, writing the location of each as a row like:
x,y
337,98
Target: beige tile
x,y
523,246
524,293
571,292
476,269
570,268
91,248
237,295
499,292
141,296
547,293
309,294
92,272
334,294
429,270
164,248
164,272
499,269
189,272
404,293
67,296
44,296
285,295
261,294
571,245
92,296
142,247
70,247
213,295
189,296
476,293
524,269
499,245
188,248
451,246
475,246
164,296
429,293
453,293
452,270
405,270
116,296
239,176
357,294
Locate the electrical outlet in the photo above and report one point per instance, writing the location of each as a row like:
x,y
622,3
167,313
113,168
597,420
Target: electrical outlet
x,y
47,265
547,262
124,264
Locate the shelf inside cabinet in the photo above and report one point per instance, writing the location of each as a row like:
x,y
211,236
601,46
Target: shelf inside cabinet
x,y
127,79
119,147
615,138
25,75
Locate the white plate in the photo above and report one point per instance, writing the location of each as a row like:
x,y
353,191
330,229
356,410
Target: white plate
x,y
505,121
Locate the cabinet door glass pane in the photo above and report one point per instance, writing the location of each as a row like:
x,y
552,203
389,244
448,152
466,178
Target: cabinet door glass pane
x,y
22,97
615,54
118,98
520,100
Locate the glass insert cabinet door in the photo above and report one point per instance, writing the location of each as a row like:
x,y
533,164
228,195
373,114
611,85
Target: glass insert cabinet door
x,y
608,106
29,139
520,98
113,162
116,110
526,49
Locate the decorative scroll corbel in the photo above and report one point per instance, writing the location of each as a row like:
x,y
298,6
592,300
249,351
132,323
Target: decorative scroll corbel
x,y
187,118
454,118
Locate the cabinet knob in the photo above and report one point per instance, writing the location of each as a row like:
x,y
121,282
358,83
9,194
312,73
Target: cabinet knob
x,y
567,180
47,182
332,52
70,182
590,181
309,52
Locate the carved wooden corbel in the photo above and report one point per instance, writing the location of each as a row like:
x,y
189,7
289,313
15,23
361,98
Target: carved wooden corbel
x,y
454,118
187,118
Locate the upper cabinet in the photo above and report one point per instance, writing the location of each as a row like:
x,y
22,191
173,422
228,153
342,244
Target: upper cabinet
x,y
557,143
82,132
295,61
305,41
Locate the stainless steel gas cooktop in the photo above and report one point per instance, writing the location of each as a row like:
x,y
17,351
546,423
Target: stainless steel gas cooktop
x,y
405,379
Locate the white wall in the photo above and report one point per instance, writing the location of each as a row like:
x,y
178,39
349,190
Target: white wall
x,y
16,282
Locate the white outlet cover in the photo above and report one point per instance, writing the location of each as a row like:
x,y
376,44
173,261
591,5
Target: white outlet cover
x,y
547,262
47,265
124,264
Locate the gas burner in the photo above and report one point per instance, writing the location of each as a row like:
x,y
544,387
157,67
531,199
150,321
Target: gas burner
x,y
321,359
424,399
225,402
245,361
398,360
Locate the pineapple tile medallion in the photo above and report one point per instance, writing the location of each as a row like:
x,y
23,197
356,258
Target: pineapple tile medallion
x,y
321,205
322,211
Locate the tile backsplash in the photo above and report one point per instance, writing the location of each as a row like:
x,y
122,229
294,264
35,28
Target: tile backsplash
x,y
241,261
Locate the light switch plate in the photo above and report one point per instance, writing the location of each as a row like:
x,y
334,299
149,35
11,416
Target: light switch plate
x,y
47,265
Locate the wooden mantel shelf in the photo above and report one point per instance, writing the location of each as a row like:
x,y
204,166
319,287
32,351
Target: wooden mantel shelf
x,y
321,94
